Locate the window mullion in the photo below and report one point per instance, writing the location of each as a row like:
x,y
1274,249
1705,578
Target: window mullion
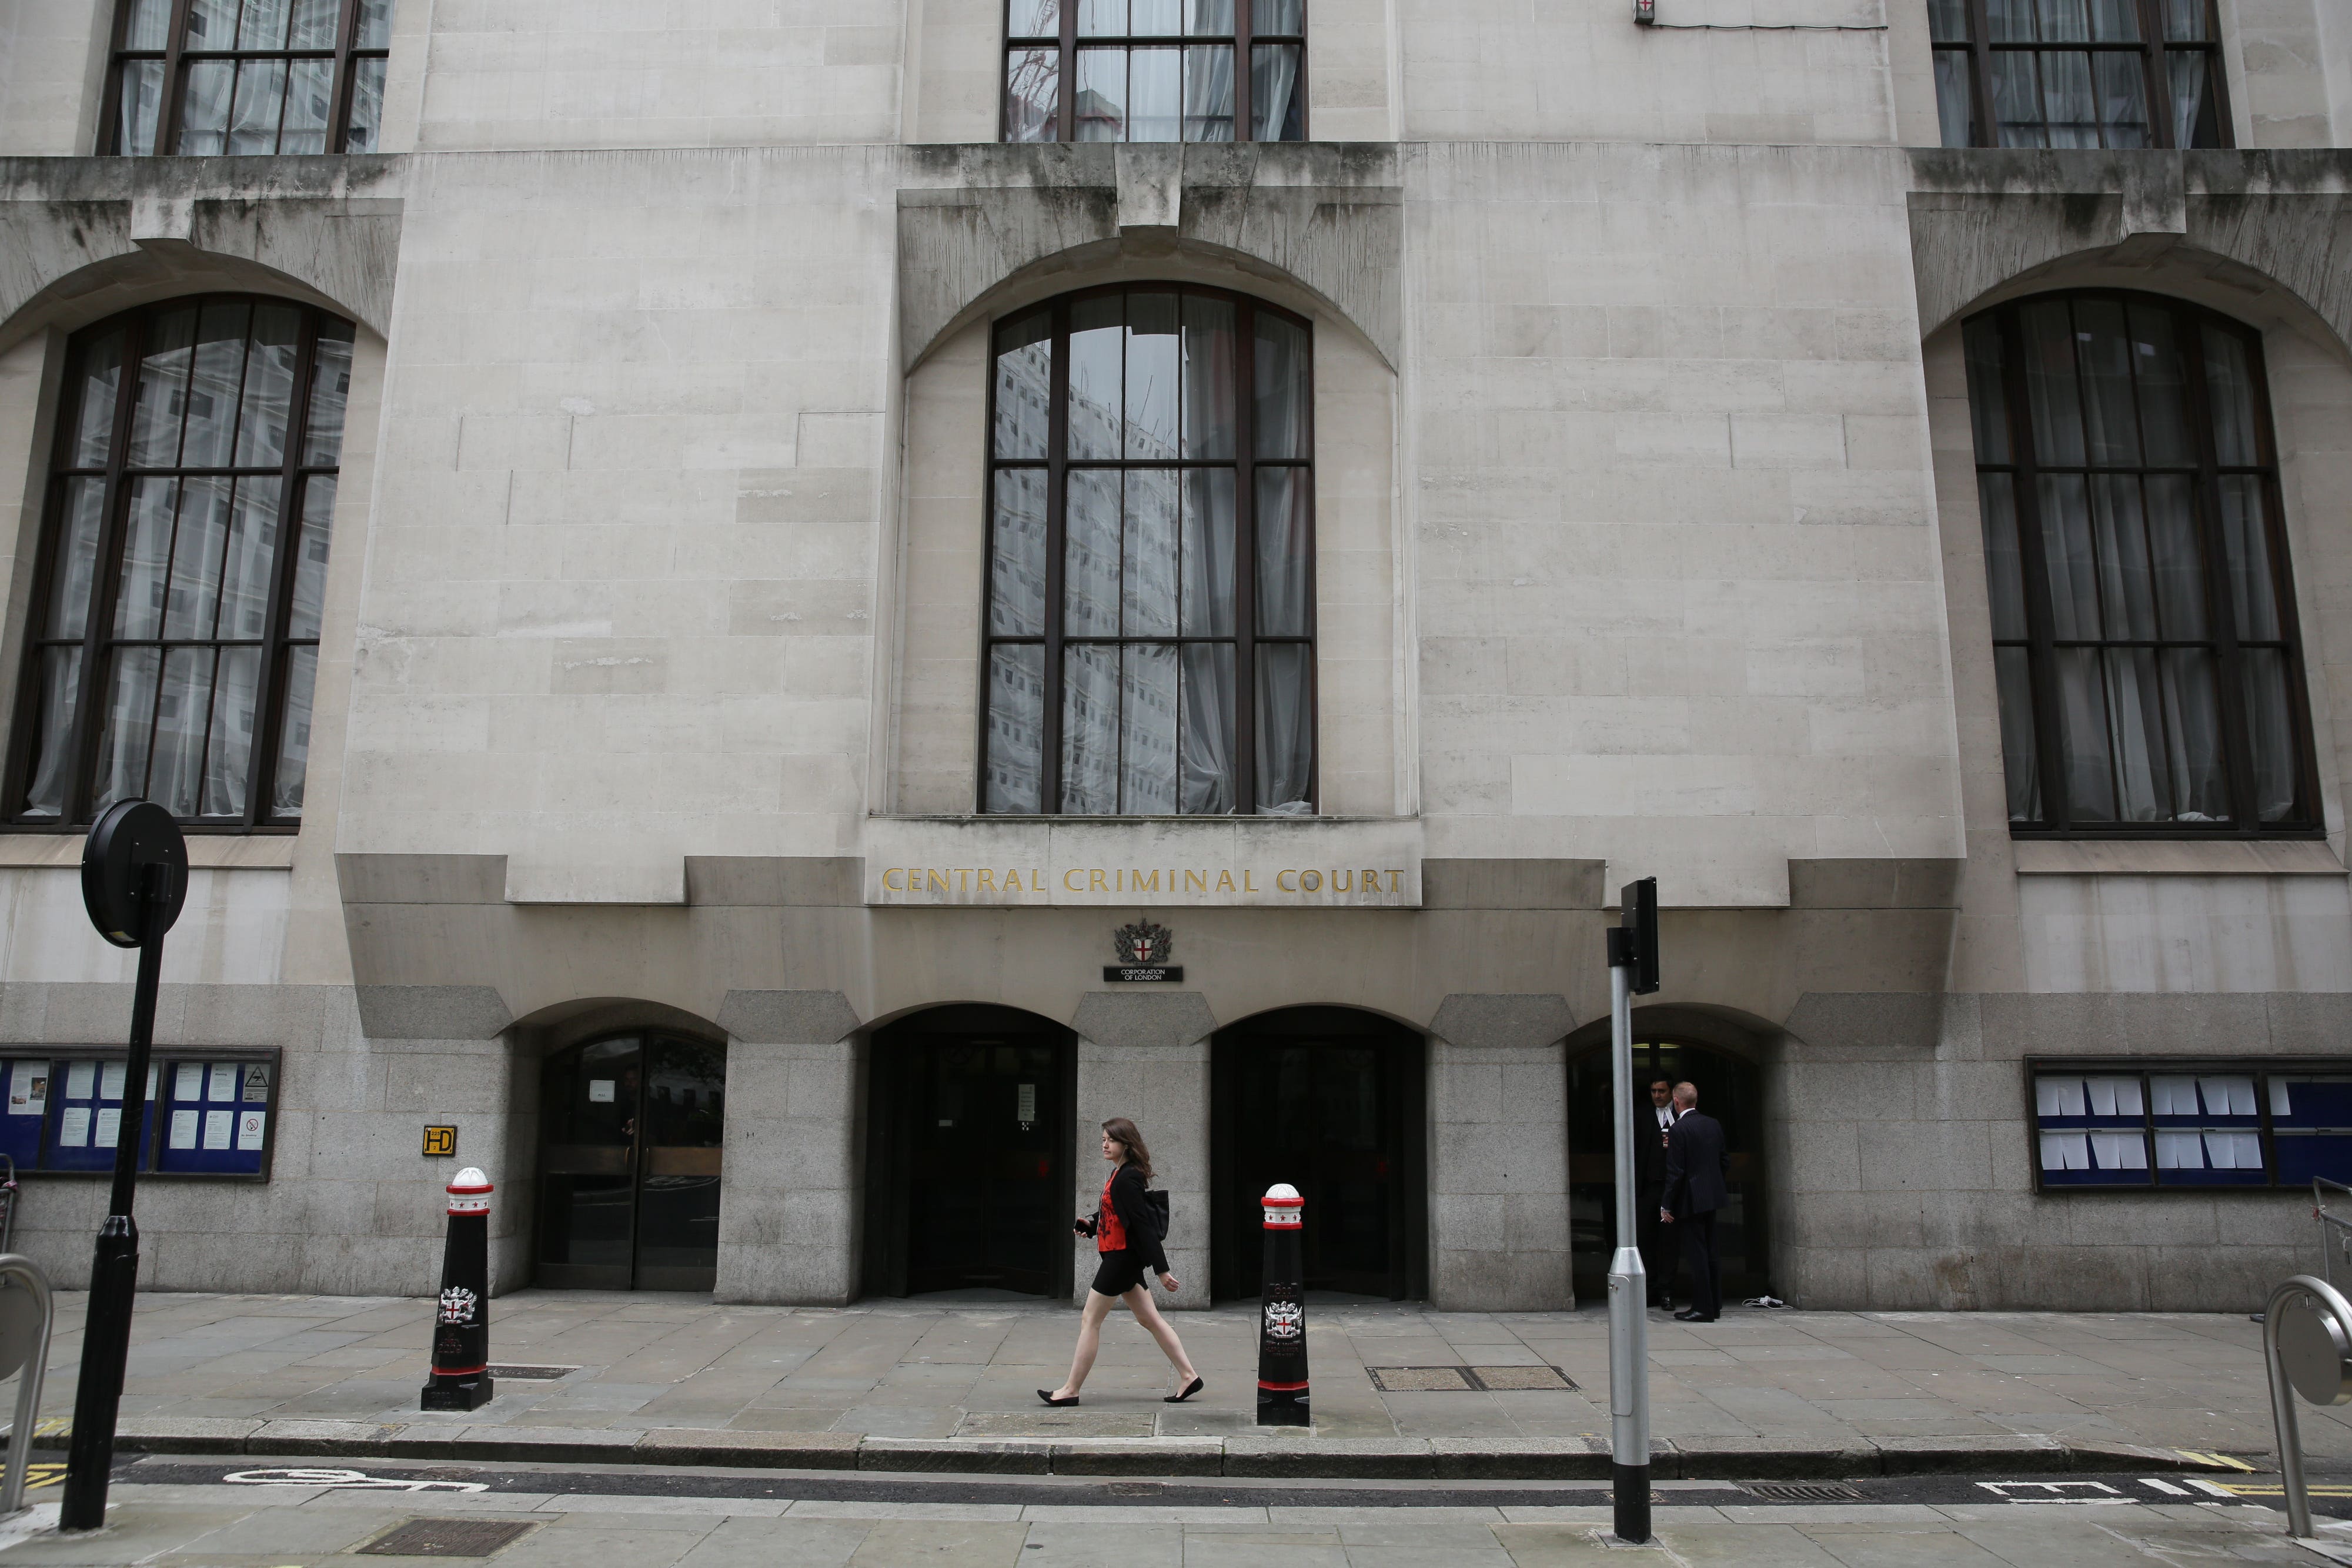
x,y
1057,472
1065,112
1980,73
167,119
2042,660
1245,558
2283,589
269,697
1244,129
2220,609
339,94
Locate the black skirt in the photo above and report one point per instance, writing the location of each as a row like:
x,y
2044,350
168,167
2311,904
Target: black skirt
x,y
1120,1271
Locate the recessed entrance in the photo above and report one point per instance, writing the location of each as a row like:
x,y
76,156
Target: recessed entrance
x,y
970,1159
1730,1090
632,1131
1328,1099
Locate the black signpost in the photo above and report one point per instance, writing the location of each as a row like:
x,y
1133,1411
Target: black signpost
x,y
134,878
1282,1389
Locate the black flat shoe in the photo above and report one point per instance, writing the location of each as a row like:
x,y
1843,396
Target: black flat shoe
x,y
1686,1316
1189,1389
1057,1404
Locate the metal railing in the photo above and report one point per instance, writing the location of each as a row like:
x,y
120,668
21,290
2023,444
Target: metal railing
x,y
2334,1226
27,1313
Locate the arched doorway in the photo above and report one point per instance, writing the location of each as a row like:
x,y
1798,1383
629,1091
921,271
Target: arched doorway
x,y
632,1132
1730,1090
968,1164
1332,1101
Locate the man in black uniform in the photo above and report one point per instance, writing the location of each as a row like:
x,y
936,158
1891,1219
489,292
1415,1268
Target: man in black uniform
x,y
1657,1243
1696,1170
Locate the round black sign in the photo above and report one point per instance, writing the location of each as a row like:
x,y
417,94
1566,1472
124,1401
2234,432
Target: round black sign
x,y
131,836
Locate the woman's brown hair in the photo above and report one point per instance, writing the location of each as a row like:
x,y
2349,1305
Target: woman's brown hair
x,y
1122,1132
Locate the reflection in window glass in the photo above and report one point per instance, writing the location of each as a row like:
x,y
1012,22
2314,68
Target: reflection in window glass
x,y
250,77
156,630
2135,570
2134,78
1146,70
1175,692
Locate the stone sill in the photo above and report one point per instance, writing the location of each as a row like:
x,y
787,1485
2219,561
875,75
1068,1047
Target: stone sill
x,y
2175,857
206,851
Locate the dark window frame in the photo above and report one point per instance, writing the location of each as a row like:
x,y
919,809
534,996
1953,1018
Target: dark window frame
x,y
2221,633
2151,47
1056,466
176,56
1066,42
97,640
2261,1070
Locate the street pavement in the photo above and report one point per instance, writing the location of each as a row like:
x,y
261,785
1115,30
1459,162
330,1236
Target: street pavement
x,y
622,1366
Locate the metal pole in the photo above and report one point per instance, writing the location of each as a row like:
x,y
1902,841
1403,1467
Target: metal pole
x,y
2283,1417
1628,1293
114,1267
22,1273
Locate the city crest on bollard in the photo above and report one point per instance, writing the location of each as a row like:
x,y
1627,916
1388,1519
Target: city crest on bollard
x,y
461,1313
1282,1318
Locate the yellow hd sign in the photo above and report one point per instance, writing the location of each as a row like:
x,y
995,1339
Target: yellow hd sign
x,y
440,1143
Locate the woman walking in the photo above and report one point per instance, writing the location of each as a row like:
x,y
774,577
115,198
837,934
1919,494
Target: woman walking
x,y
1127,1237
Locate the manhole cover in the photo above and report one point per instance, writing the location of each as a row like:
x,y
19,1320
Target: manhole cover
x,y
532,1374
445,1538
1516,1378
1802,1491
1420,1379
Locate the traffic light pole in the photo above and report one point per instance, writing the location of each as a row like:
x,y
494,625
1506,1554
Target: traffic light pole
x,y
1633,968
1629,1286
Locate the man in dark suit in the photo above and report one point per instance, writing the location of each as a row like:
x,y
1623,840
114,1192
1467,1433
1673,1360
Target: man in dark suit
x,y
1696,1166
1650,1122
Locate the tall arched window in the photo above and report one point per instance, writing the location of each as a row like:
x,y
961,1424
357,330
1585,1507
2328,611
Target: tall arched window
x,y
175,621
2143,615
1150,618
1155,71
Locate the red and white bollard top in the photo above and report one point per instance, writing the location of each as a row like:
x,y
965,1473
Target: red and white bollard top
x,y
1285,1209
469,1192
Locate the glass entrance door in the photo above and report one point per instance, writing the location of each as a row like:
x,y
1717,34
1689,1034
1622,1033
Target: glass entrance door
x,y
987,1126
969,1155
1328,1101
632,1131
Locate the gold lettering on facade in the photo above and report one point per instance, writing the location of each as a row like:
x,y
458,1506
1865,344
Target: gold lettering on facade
x,y
1395,877
1148,881
987,883
894,887
935,879
1225,881
1343,882
987,880
1068,884
1096,881
1283,886
1194,882
1310,882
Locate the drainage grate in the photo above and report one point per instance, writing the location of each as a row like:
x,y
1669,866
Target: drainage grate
x,y
1421,1379
445,1538
1802,1491
1514,1379
532,1374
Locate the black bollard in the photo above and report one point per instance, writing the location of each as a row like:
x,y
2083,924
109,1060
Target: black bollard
x,y
1282,1321
461,1319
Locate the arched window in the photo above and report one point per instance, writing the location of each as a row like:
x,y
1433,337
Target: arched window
x,y
2079,73
1155,71
176,619
206,77
2143,615
1151,632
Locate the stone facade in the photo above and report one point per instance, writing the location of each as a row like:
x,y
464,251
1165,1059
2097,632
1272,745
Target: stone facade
x,y
1647,545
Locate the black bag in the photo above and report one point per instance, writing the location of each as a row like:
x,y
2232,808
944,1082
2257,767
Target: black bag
x,y
1156,1200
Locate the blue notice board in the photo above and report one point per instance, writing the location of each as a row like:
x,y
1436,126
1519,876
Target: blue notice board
x,y
215,1115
